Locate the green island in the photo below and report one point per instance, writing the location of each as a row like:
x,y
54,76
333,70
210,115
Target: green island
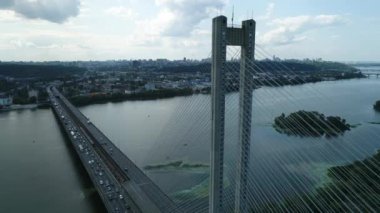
x,y
342,192
376,106
176,165
310,124
199,191
374,122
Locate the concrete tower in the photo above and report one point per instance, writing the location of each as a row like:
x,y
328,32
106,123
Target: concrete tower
x,y
245,38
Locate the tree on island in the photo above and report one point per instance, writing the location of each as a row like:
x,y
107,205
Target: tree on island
x,y
376,106
355,184
310,124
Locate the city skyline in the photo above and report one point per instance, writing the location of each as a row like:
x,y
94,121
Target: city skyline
x,y
73,30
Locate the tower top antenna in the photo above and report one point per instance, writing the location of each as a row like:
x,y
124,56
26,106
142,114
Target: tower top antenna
x,y
233,14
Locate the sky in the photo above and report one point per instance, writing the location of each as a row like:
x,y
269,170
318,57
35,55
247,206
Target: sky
x,y
71,30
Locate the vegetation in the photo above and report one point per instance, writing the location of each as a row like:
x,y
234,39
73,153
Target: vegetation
x,y
306,78
272,66
175,165
21,96
310,124
37,71
200,191
203,67
305,65
376,106
147,95
374,122
350,187
42,95
6,86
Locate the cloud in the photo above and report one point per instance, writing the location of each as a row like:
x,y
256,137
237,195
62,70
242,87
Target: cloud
x,y
176,23
122,12
6,3
22,43
290,30
57,11
180,17
268,13
8,16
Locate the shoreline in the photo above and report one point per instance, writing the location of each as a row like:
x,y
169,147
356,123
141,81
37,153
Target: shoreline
x,y
19,107
142,96
80,101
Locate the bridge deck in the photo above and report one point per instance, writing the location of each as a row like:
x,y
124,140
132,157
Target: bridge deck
x,y
144,194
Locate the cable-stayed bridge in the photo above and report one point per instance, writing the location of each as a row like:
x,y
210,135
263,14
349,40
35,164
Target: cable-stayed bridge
x,y
239,180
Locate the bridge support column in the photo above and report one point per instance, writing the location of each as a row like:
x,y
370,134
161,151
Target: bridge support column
x,y
245,113
219,33
221,37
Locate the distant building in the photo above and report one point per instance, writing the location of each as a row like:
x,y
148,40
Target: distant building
x,y
275,58
5,101
128,92
116,90
150,86
33,93
136,64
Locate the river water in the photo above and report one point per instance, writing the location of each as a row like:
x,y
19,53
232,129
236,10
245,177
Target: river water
x,y
40,173
38,170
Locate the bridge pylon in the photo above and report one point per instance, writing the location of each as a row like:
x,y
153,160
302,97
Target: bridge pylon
x,y
222,36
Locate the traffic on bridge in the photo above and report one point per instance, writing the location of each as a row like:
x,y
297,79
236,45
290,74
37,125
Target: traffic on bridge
x,y
122,186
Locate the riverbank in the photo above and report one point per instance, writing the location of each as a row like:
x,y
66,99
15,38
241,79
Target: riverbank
x,y
42,105
19,107
148,95
101,98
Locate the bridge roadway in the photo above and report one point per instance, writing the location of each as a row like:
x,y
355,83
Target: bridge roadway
x,y
122,186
